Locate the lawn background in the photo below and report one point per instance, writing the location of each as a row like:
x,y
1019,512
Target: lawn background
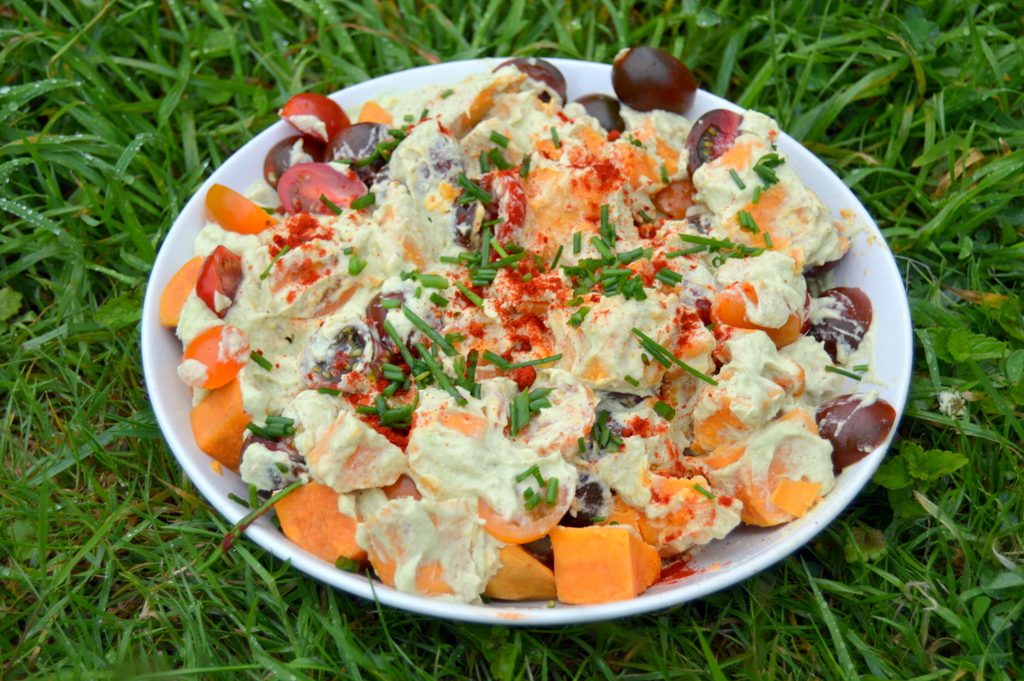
x,y
113,113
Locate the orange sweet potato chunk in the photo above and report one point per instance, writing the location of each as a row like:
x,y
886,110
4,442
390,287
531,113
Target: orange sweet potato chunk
x,y
310,517
372,112
599,564
218,424
177,291
795,496
521,577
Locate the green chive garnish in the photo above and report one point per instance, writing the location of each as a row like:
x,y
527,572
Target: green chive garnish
x,y
747,222
429,331
665,358
736,178
356,264
499,139
472,190
472,297
664,410
554,138
524,168
577,242
669,277
331,205
577,317
364,201
280,254
329,391
432,281
703,491
261,360
439,300
558,256
842,372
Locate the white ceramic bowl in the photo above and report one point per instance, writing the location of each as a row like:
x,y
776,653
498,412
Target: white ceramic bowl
x,y
869,266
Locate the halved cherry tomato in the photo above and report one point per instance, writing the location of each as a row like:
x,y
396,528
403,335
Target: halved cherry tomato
x,y
279,158
221,273
223,350
235,213
730,308
711,136
315,115
302,185
529,525
509,204
854,427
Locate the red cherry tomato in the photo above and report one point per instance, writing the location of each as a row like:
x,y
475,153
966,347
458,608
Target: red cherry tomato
x,y
221,273
302,185
315,115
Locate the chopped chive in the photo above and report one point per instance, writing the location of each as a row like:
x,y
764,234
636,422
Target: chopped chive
x,y
348,250
554,138
645,217
473,190
703,491
496,245
364,201
347,564
439,300
669,277
499,139
432,281
532,362
366,409
356,264
498,160
736,178
391,303
280,254
688,251
261,360
757,193
472,297
429,331
331,205
533,470
577,242
329,391
527,277
552,495
747,222
485,162
765,168
581,445
496,359
558,256
604,218
577,317
664,410
601,247
842,372
447,93
389,328
860,367
664,357
664,175
424,114
768,240
632,381
631,256
532,502
524,168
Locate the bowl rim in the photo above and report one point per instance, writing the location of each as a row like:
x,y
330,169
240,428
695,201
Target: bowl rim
x,y
528,613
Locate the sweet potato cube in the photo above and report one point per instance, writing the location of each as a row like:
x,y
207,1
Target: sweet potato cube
x,y
598,564
218,424
310,517
795,496
521,577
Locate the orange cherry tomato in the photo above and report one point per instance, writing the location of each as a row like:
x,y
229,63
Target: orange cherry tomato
x,y
235,213
730,308
528,525
223,349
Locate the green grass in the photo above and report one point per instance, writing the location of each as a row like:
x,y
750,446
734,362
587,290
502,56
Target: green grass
x,y
113,112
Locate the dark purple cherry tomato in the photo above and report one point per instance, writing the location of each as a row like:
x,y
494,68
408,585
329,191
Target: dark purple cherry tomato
x,y
351,350
606,110
818,270
302,185
711,136
593,499
279,158
356,145
376,315
854,428
542,70
848,325
647,78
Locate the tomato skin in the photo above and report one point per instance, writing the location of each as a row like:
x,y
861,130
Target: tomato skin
x,y
221,273
854,428
279,158
235,213
302,185
711,136
310,104
223,360
530,525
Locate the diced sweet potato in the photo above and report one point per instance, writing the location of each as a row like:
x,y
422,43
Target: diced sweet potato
x,y
177,292
795,496
218,424
521,577
599,564
310,517
372,112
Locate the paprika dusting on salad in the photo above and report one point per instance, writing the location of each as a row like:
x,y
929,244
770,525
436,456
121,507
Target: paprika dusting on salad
x,y
483,321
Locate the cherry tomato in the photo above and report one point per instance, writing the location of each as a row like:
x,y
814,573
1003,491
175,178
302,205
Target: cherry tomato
x,y
356,145
675,198
593,499
818,270
221,273
606,110
647,78
235,213
541,70
314,115
376,315
854,428
730,308
508,204
711,136
848,325
279,158
302,185
223,349
528,526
